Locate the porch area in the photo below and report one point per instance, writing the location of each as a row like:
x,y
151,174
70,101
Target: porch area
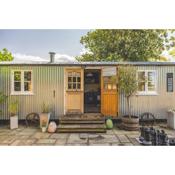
x,y
33,136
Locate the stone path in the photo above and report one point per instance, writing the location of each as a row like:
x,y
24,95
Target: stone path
x,y
31,136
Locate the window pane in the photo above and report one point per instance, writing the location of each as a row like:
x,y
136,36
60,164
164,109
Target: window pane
x,y
27,86
69,85
69,79
141,76
69,74
78,79
74,79
151,86
74,85
114,87
141,86
78,86
17,76
151,76
17,86
27,76
78,74
109,86
105,86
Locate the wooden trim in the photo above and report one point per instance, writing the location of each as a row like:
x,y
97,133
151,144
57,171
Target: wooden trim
x,y
75,92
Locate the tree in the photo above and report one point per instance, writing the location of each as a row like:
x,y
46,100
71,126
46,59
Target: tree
x,y
125,45
127,83
5,55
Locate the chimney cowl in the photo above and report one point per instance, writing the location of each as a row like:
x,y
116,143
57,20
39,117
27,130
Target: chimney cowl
x,y
52,57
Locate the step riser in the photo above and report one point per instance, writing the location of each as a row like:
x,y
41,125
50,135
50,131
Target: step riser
x,y
82,122
81,131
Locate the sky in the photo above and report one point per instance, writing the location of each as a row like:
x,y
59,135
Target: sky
x,y
34,45
37,43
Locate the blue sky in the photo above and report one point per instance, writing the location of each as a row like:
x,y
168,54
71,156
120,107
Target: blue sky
x,y
40,42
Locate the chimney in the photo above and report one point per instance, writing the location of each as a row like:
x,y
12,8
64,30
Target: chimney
x,y
52,57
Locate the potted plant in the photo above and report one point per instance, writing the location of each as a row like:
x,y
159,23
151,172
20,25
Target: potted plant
x,y
44,126
45,115
171,118
128,84
13,109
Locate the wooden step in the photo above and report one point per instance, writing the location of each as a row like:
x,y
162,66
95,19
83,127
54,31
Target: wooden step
x,y
81,118
81,128
82,121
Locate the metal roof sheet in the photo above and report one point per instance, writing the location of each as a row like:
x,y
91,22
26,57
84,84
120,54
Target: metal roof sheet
x,y
46,63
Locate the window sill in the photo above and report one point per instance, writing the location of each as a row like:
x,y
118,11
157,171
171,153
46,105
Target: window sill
x,y
147,94
74,90
22,93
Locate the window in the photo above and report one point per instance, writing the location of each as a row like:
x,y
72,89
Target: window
x,y
170,82
109,82
21,82
74,81
146,82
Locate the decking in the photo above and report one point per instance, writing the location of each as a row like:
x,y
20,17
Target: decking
x,y
86,123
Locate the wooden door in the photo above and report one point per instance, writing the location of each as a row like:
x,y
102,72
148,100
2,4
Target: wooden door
x,y
74,91
109,95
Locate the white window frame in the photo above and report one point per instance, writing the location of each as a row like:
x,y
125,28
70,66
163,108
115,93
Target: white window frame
x,y
146,92
22,92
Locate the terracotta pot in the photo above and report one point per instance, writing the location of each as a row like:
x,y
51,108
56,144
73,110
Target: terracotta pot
x,y
130,124
44,117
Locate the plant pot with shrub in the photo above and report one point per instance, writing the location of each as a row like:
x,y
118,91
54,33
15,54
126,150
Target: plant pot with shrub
x,y
44,126
128,84
13,109
45,115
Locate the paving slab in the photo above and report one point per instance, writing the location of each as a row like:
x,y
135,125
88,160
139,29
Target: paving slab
x,y
61,142
46,141
123,138
75,138
99,144
76,144
40,135
104,139
59,135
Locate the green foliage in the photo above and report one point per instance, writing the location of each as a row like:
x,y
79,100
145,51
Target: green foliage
x,y
127,80
172,52
2,99
5,55
45,108
127,83
109,124
125,45
13,108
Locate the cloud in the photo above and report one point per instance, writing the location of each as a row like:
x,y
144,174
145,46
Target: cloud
x,y
19,58
64,58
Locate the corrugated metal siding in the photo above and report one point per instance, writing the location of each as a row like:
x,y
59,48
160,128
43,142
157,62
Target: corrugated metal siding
x,y
46,79
157,104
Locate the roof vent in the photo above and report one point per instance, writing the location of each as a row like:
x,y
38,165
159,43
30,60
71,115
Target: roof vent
x,y
52,57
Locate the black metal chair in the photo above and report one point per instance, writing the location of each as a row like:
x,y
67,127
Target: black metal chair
x,y
147,118
32,119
